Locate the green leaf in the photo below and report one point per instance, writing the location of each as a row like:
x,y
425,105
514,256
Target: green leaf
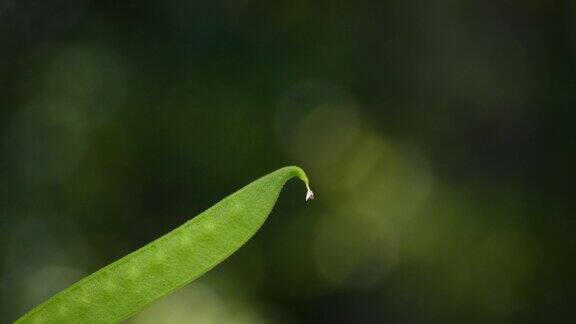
x,y
124,287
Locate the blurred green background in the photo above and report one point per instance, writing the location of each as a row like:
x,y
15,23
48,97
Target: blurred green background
x,y
438,136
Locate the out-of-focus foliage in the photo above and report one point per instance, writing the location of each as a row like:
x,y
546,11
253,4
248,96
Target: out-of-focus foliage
x,y
438,137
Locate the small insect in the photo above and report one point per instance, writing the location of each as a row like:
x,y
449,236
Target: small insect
x,y
309,194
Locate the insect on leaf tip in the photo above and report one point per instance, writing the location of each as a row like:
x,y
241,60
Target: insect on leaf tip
x,y
309,194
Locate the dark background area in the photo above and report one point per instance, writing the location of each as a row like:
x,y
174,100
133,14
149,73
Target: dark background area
x,y
438,136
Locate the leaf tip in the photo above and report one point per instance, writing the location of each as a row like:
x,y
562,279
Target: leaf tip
x,y
298,172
